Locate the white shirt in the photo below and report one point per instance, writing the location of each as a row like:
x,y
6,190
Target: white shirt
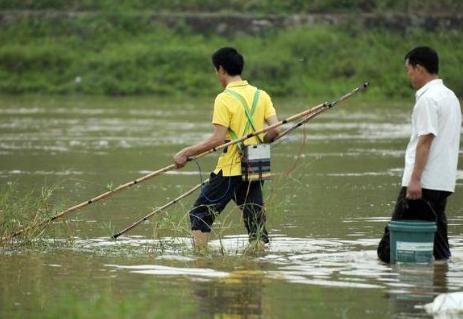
x,y
437,111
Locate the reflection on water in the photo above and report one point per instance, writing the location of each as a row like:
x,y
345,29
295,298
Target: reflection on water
x,y
326,217
239,295
420,284
157,270
222,290
325,262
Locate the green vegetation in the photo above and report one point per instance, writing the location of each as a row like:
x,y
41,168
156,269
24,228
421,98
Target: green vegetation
x,y
97,47
127,54
259,6
26,212
19,210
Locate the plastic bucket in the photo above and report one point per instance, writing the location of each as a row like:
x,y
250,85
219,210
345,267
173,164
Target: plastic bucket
x,y
412,241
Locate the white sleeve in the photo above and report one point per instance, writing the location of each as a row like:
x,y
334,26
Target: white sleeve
x,y
426,117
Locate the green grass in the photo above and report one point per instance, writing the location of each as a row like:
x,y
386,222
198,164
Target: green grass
x,y
26,214
123,54
20,211
254,6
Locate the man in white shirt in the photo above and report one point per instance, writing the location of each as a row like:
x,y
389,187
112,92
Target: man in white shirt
x,y
432,154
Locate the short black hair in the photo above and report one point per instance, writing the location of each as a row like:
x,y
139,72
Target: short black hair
x,y
424,56
229,59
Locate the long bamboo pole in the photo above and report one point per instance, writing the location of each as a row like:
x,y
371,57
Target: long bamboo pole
x,y
308,112
323,109
157,210
88,202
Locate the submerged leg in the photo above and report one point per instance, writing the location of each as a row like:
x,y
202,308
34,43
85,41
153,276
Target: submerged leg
x,y
438,201
249,199
200,239
213,198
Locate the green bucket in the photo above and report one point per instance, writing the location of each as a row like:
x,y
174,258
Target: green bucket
x,y
412,241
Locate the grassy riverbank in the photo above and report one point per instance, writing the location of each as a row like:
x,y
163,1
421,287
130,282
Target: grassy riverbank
x,y
125,54
255,6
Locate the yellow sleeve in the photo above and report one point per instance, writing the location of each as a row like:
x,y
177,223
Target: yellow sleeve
x,y
269,110
221,113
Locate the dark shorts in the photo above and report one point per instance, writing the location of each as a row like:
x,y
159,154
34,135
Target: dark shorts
x,y
218,192
430,207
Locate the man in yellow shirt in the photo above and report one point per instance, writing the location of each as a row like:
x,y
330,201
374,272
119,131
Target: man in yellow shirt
x,y
240,109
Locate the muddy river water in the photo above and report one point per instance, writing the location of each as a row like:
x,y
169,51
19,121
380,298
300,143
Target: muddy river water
x,y
327,206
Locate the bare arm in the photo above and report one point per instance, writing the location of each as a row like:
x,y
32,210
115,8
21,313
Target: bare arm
x,y
270,135
217,138
421,157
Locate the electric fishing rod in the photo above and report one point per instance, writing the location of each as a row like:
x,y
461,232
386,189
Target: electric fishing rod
x,y
190,191
301,115
327,107
107,194
157,210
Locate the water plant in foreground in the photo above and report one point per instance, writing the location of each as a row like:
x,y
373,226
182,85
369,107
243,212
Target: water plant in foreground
x,y
19,210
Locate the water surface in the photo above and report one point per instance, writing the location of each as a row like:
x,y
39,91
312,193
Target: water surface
x,y
335,185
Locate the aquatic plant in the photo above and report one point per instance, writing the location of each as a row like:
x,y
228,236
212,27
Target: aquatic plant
x,y
26,211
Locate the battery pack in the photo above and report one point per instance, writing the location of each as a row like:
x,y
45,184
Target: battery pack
x,y
255,163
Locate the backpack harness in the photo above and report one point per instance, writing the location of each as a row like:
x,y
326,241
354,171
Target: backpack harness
x,y
255,158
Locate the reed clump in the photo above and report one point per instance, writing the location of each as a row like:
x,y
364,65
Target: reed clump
x,y
19,210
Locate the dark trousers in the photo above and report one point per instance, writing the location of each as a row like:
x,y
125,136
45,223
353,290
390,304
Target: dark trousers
x,y
430,207
218,192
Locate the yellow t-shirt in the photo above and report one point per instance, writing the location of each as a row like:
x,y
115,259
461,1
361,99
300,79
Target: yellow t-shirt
x,y
229,112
